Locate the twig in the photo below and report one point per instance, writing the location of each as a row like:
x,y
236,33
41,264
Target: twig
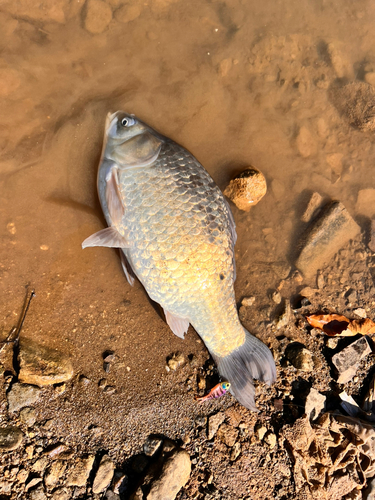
x,y
14,334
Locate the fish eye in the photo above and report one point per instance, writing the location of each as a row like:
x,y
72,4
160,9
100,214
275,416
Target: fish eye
x,y
127,122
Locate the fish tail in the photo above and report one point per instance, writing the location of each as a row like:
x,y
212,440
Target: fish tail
x,y
252,360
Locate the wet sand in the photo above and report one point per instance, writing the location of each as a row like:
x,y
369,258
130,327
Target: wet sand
x,y
238,84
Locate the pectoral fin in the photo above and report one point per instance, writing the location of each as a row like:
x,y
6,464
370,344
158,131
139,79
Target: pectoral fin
x,y
108,237
113,198
179,326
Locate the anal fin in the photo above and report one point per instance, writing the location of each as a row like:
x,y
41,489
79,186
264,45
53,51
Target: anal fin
x,y
108,237
179,326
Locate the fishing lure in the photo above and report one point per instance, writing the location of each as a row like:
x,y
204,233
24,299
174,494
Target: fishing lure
x,y
216,392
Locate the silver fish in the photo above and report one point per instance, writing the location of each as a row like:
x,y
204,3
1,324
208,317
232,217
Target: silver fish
x,y
177,236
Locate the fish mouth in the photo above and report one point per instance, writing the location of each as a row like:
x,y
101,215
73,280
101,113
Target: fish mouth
x,y
110,122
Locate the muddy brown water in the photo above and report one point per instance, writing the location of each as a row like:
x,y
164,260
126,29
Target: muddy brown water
x,y
234,82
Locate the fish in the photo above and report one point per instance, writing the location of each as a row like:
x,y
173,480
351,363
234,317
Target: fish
x,y
176,234
216,392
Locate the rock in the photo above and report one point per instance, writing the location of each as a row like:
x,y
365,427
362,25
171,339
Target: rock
x,y
28,416
54,473
300,357
334,160
224,66
137,495
41,365
227,434
97,17
168,446
56,451
128,13
260,431
214,423
248,301
331,342
38,494
333,229
305,143
315,404
22,395
236,450
119,482
60,388
22,476
270,439
356,102
104,475
5,487
246,189
360,312
61,494
108,356
281,269
37,10
175,474
201,382
40,464
151,446
340,65
10,438
313,206
320,282
110,495
80,472
175,361
366,202
346,361
285,316
276,297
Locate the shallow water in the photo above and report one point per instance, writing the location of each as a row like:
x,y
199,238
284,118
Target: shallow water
x,y
234,82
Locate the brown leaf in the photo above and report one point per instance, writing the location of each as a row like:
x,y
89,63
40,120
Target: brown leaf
x,y
337,325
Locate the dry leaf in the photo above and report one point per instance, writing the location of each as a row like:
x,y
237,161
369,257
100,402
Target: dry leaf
x,y
337,325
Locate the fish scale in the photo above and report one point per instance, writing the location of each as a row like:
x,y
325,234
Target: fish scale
x,y
177,234
207,239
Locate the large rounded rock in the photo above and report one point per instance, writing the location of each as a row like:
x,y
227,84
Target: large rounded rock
x,y
41,365
10,438
247,189
175,474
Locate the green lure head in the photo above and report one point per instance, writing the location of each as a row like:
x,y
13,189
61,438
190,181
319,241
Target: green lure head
x,y
225,385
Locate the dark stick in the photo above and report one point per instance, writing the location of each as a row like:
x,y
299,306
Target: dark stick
x,y
14,334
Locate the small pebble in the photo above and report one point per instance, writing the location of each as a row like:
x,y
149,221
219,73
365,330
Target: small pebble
x,y
175,361
360,312
102,383
270,439
247,189
248,301
260,432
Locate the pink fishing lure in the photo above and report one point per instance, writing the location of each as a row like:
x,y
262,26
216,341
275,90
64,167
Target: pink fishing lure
x,y
216,392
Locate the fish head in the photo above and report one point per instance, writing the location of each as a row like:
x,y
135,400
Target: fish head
x,y
130,142
121,127
225,386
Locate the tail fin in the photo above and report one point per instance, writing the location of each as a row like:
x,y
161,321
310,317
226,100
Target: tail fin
x,y
252,360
